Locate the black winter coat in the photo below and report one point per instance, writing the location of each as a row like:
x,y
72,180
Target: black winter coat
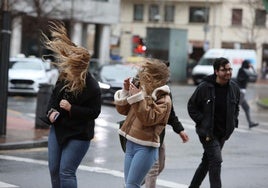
x,y
201,107
79,123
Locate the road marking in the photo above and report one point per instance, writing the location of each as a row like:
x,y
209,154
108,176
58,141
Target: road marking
x,y
160,182
6,185
187,124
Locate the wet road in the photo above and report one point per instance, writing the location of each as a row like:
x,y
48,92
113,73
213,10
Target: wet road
x,y
244,155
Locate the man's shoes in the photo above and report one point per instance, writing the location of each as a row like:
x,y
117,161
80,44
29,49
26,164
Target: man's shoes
x,y
253,125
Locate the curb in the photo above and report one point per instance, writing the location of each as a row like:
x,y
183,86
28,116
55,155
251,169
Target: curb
x,y
262,105
23,145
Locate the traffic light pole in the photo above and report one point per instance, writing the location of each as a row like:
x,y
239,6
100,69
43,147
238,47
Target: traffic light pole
x,y
4,61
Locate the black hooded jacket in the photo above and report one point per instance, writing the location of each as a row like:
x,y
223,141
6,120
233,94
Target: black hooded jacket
x,y
244,75
79,123
201,107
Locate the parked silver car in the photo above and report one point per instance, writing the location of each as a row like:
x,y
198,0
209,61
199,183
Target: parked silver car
x,y
26,73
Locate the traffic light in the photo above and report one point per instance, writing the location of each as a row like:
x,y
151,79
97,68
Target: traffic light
x,y
138,45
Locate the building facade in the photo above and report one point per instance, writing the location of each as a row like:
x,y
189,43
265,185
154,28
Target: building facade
x,y
210,24
88,22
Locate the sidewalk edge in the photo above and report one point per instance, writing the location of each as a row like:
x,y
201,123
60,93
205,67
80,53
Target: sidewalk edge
x,y
23,145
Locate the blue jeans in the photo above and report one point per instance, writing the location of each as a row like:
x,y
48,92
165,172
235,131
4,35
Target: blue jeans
x,y
138,161
151,177
63,160
211,162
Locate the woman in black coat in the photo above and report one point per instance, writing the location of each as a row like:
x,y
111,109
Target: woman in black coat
x,y
74,105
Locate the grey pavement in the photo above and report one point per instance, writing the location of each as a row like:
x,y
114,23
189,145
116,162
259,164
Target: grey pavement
x,y
22,134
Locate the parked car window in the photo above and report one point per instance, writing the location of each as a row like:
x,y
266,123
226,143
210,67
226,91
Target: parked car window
x,y
206,61
111,78
23,65
110,73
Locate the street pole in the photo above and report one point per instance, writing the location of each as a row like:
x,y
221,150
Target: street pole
x,y
4,52
206,28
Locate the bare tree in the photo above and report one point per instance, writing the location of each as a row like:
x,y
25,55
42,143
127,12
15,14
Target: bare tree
x,y
35,15
250,30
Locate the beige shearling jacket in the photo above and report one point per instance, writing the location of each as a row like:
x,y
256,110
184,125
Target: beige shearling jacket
x,y
147,116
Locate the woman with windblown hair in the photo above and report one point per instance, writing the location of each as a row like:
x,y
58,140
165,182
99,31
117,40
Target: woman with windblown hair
x,y
147,106
74,105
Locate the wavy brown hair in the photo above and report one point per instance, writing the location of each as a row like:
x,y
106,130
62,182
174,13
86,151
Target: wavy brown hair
x,y
154,73
72,60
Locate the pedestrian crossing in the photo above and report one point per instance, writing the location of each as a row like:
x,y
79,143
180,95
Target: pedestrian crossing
x,y
6,185
187,124
115,173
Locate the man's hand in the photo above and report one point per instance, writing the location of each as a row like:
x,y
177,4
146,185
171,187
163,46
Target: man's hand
x,y
184,136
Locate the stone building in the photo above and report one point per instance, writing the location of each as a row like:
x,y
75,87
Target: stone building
x,y
88,22
210,24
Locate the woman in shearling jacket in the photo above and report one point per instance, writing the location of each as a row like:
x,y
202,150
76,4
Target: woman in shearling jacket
x,y
147,108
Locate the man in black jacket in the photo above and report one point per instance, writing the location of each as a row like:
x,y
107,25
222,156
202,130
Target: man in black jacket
x,y
214,107
244,76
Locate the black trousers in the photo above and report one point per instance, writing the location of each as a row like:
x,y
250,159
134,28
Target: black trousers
x,y
211,163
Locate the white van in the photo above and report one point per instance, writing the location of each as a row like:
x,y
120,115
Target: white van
x,y
235,56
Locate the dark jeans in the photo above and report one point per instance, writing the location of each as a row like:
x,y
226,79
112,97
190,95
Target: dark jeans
x,y
211,162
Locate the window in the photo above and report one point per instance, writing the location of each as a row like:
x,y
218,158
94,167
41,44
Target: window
x,y
236,17
260,17
138,12
199,15
169,13
154,13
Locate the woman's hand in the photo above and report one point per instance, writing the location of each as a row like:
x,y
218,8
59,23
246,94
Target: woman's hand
x,y
53,116
126,84
64,104
133,89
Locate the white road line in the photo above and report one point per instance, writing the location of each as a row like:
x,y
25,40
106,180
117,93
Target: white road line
x,y
160,182
6,185
187,124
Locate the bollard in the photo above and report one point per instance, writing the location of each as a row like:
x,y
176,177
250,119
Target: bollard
x,y
43,97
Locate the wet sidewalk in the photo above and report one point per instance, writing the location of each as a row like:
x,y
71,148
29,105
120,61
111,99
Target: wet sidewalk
x,y
21,133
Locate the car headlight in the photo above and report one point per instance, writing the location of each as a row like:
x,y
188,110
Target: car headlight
x,y
104,86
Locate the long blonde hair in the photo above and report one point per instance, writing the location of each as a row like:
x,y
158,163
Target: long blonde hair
x,y
72,60
154,73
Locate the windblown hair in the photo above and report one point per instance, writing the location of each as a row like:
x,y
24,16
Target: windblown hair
x,y
72,60
154,73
